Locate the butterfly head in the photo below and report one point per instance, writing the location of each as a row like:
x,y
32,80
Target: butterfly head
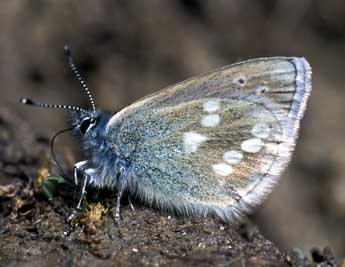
x,y
84,123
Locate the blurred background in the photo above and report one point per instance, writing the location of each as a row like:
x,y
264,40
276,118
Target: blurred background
x,y
127,49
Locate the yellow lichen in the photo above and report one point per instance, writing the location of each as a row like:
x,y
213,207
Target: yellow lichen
x,y
43,173
96,212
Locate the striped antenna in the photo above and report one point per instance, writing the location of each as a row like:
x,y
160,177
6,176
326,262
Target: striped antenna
x,y
27,101
77,74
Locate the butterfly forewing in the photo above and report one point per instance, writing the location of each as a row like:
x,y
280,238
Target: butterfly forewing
x,y
214,143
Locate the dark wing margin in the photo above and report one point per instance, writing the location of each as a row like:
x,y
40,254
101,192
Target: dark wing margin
x,y
263,187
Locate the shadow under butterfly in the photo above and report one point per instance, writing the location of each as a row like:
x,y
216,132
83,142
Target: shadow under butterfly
x,y
215,144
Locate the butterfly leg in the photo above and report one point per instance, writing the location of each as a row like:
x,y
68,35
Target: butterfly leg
x,y
130,202
88,176
88,179
76,168
120,189
117,208
121,185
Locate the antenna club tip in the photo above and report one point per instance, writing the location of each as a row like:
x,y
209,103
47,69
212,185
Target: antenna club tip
x,y
67,50
26,101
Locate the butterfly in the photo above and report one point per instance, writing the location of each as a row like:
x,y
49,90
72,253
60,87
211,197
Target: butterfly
x,y
213,145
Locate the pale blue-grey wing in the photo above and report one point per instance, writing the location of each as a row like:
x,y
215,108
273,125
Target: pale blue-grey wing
x,y
215,143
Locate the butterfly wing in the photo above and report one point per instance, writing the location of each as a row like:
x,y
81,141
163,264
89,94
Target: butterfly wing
x,y
218,142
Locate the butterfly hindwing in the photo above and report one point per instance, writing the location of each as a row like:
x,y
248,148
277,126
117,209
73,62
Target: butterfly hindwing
x,y
215,143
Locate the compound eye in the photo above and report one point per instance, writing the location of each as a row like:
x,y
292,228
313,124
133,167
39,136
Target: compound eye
x,y
86,124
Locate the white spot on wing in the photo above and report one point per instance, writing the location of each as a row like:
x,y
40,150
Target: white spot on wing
x,y
253,145
210,120
192,140
222,169
261,130
211,105
233,156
